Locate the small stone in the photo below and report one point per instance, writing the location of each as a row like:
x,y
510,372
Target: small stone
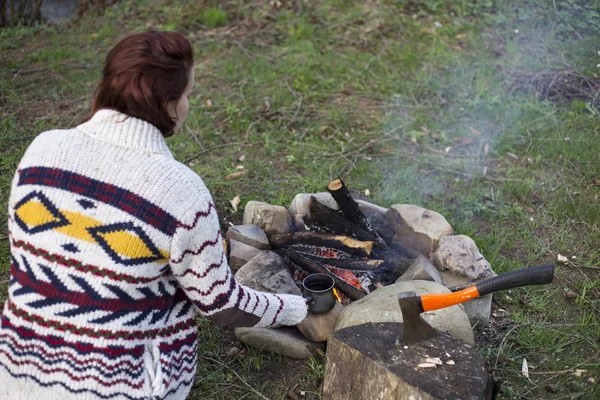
x,y
562,259
460,255
317,327
417,228
450,362
274,220
421,269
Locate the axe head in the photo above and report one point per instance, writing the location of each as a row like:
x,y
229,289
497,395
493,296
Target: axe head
x,y
415,328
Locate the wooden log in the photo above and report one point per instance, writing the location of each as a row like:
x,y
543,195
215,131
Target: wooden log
x,y
371,361
315,268
326,220
351,264
351,246
340,193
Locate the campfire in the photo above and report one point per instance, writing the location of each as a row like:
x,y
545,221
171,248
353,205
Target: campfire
x,y
342,244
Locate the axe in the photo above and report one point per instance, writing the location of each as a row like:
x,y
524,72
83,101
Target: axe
x,y
415,328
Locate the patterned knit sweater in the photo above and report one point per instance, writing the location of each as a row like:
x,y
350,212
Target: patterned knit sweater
x,y
115,246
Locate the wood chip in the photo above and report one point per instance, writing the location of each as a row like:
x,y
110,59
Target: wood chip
x,y
426,365
435,361
562,259
235,203
450,362
235,175
525,368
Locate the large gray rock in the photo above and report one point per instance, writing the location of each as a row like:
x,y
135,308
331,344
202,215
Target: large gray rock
x,y
376,216
381,305
421,269
478,310
251,235
268,272
299,206
274,220
285,341
417,228
240,253
460,255
317,327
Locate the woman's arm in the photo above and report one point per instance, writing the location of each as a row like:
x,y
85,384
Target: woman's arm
x,y
199,263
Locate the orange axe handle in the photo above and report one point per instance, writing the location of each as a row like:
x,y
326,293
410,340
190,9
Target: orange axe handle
x,y
521,277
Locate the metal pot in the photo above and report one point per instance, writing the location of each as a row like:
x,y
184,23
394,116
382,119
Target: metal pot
x,y
318,291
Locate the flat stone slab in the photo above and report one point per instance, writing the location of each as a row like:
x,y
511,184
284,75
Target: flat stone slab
x,y
251,235
267,272
286,341
372,361
240,254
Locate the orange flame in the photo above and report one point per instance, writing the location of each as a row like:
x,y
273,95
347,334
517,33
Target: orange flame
x,y
337,295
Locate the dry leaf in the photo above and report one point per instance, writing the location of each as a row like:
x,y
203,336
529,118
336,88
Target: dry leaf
x,y
209,103
463,141
235,202
512,155
235,175
240,167
447,149
425,130
367,192
457,48
596,181
562,259
242,158
434,360
323,129
525,368
486,149
426,365
460,36
475,131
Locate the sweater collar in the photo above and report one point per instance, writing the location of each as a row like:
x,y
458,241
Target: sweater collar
x,y
122,130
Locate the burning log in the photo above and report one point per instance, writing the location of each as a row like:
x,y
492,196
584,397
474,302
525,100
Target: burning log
x,y
336,258
349,207
314,267
346,244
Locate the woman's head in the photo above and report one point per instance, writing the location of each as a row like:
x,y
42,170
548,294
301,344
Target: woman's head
x,y
149,76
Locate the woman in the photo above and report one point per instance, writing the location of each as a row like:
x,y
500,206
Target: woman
x,y
115,246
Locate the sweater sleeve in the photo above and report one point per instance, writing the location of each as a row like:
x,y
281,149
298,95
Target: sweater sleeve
x,y
199,264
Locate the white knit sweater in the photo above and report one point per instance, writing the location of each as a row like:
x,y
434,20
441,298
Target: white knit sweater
x,y
114,246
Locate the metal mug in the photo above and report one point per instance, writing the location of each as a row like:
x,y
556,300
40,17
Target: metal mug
x,y
318,291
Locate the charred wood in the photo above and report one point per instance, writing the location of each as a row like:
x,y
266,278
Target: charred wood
x,y
351,246
340,193
339,259
326,220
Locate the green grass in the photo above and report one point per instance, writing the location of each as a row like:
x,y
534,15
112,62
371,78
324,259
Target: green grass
x,y
435,103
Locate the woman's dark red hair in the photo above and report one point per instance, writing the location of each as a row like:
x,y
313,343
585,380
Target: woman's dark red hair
x,y
143,73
